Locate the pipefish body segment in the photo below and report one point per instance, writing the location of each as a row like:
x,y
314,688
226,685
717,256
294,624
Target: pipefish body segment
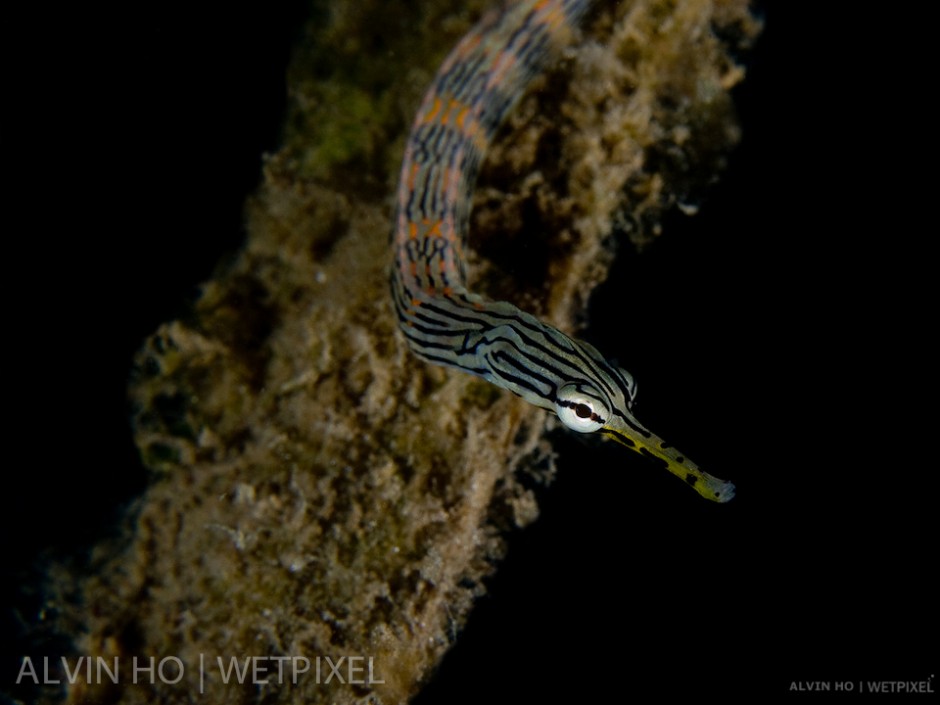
x,y
443,322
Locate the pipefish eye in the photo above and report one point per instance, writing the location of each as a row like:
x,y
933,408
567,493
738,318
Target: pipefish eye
x,y
580,408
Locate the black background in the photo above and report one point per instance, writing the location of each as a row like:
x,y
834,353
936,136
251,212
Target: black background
x,y
780,338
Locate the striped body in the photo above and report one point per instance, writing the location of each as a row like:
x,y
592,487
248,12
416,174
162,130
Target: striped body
x,y
444,323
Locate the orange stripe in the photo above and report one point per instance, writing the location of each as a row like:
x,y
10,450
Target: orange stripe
x,y
435,109
434,228
461,116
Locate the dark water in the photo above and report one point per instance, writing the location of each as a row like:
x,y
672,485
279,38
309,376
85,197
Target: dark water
x,y
777,339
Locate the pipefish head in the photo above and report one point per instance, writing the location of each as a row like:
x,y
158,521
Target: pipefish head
x,y
602,402
516,351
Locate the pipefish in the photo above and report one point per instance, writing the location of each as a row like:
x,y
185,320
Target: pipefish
x,y
446,324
